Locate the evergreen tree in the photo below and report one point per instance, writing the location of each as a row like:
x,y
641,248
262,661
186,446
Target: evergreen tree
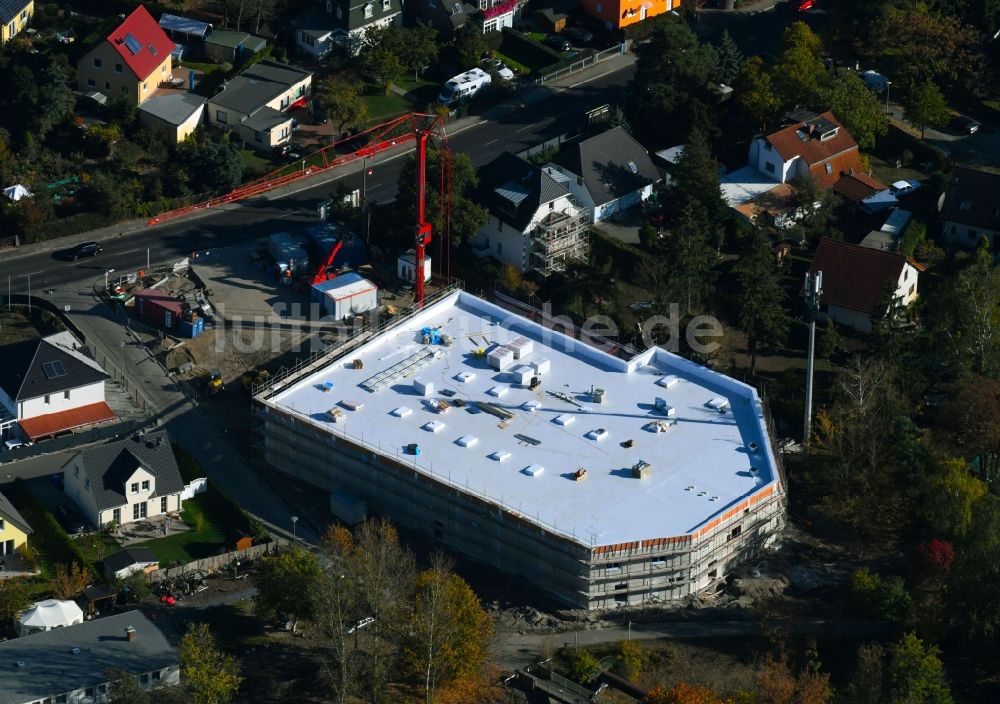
x,y
696,182
730,58
761,302
689,258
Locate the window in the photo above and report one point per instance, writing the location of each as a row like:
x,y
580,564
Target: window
x,y
156,676
769,167
118,68
499,247
97,62
66,394
829,167
24,14
1,524
143,87
47,399
138,511
88,692
597,8
116,516
86,482
107,85
735,532
221,116
145,485
144,678
91,82
163,70
135,487
385,5
767,145
913,288
552,205
369,11
163,504
614,567
76,472
258,137
102,688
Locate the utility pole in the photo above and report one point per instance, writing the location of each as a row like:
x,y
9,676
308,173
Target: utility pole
x,y
814,289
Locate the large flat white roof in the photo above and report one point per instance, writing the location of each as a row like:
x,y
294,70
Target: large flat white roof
x,y
704,463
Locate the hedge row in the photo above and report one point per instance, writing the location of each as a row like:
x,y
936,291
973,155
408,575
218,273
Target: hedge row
x,y
48,538
624,257
527,51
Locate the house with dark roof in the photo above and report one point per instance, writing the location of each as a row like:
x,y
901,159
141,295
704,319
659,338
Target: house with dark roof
x,y
970,208
535,223
50,386
127,480
15,16
857,282
807,144
233,46
254,103
72,664
446,16
326,25
132,61
127,562
609,172
14,530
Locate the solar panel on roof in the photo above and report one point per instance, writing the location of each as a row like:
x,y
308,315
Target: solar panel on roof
x,y
132,44
152,49
53,370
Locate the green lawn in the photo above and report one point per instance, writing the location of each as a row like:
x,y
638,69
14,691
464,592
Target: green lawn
x,y
515,66
95,548
209,532
383,107
254,164
536,36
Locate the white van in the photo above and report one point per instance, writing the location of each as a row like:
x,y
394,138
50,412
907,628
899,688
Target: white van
x,y
463,86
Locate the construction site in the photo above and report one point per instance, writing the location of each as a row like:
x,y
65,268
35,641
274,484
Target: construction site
x,y
601,481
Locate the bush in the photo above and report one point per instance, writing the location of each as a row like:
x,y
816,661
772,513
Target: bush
x,y
585,668
882,598
48,538
528,52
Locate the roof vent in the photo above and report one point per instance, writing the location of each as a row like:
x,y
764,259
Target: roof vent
x,y
563,419
467,440
533,470
755,470
75,651
401,412
598,434
434,426
499,455
668,381
20,664
753,447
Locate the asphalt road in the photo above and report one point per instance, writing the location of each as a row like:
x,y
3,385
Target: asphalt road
x,y
516,130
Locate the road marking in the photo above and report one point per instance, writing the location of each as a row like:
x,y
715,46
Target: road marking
x,y
529,127
130,251
491,142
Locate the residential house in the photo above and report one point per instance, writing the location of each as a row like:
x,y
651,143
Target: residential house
x,y
127,562
124,481
867,193
72,664
857,282
446,16
253,104
131,61
341,23
14,530
15,16
233,46
608,173
752,194
50,386
535,224
176,114
808,144
618,14
970,208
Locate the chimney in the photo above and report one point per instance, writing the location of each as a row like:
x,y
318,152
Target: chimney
x,y
130,633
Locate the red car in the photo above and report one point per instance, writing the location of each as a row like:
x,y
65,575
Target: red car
x,y
801,5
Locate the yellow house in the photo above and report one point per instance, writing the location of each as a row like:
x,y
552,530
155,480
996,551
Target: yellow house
x,y
132,61
15,15
14,530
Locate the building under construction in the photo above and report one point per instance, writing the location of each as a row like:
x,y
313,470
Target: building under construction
x,y
599,480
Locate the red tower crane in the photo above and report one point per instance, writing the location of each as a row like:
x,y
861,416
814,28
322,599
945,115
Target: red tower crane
x,y
423,228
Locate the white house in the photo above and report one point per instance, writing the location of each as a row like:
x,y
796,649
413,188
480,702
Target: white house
x,y
50,386
535,223
608,173
254,103
71,664
124,481
857,281
322,27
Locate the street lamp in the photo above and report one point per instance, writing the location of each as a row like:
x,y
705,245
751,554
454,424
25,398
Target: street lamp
x,y
106,272
888,85
122,368
295,519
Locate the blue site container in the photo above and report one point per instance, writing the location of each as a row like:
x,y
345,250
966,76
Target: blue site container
x,y
192,328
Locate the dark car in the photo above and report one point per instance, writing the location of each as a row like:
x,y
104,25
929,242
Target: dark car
x,y
84,249
965,125
558,43
317,112
578,35
289,150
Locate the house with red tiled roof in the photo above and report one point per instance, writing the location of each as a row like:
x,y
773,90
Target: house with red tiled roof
x,y
807,144
857,280
132,61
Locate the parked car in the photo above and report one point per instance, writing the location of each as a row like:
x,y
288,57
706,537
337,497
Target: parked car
x,y
12,445
578,35
558,43
801,5
498,67
902,188
289,150
965,125
317,112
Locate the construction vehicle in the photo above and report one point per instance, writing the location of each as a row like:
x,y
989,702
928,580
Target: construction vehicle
x,y
214,383
252,377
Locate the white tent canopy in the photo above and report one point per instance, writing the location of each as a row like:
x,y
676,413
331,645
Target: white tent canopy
x,y
49,614
16,192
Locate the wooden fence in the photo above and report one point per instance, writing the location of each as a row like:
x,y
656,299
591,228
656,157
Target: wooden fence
x,y
217,562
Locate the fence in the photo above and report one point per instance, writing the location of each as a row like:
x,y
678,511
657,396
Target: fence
x,y
198,486
78,439
217,562
580,65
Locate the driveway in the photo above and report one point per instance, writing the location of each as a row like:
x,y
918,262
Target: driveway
x,y
979,149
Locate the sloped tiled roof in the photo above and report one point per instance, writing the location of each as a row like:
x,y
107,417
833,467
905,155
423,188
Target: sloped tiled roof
x,y
149,44
855,277
109,466
796,140
857,187
973,199
23,372
9,9
51,424
9,513
612,164
513,189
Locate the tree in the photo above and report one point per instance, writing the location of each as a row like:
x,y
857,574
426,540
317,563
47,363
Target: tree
x,y
337,609
13,598
829,340
696,181
340,99
34,92
857,107
381,52
971,423
69,580
761,302
470,45
756,92
682,693
464,218
209,675
974,600
221,167
928,46
125,688
632,657
419,48
450,631
912,238
729,60
689,257
916,674
867,684
925,106
585,668
967,317
951,497
799,75
883,598
286,582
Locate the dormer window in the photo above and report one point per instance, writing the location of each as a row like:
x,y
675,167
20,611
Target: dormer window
x,y
826,136
386,4
767,145
369,11
145,485
135,487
